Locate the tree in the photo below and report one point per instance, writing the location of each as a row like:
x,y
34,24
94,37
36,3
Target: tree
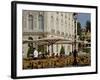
x,y
30,51
88,26
79,29
62,50
30,47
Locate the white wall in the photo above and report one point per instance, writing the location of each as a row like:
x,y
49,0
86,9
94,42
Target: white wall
x,y
5,40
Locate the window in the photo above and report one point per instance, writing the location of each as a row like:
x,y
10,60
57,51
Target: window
x,y
57,12
61,21
66,34
51,16
41,22
69,23
52,21
65,21
62,14
30,22
65,16
62,33
57,21
69,18
52,31
58,32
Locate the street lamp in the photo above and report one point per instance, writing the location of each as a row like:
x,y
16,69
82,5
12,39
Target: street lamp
x,y
75,18
75,37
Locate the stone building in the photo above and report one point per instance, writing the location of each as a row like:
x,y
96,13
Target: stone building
x,y
40,24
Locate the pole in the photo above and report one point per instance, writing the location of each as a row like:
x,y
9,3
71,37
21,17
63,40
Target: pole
x,y
75,52
75,34
52,48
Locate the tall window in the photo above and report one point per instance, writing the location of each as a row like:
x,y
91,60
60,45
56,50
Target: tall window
x,y
52,31
30,22
52,21
41,22
57,21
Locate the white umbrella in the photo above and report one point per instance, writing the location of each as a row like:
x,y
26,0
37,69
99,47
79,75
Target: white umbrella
x,y
50,40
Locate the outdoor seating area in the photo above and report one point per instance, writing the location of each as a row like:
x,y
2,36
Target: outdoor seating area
x,y
56,62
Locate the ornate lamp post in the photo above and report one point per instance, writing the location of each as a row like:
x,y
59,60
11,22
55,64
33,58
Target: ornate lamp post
x,y
75,37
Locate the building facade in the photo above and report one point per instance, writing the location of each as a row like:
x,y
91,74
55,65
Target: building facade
x,y
40,24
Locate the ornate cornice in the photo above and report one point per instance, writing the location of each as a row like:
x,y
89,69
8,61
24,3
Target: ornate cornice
x,y
35,33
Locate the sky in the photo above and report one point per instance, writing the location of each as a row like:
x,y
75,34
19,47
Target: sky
x,y
83,17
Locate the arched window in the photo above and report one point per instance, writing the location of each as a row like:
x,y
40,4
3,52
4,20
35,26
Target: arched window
x,y
41,22
30,22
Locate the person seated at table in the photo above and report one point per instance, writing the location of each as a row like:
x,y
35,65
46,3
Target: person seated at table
x,y
53,55
57,55
35,53
47,55
40,55
70,53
